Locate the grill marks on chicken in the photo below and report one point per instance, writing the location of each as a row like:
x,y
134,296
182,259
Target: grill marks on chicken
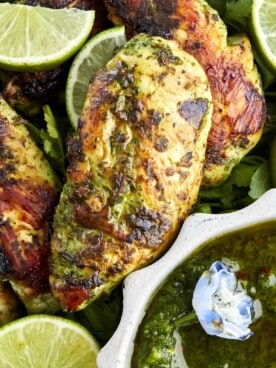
x,y
239,106
135,168
28,195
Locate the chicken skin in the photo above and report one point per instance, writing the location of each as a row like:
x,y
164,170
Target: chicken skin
x,y
135,168
29,192
239,107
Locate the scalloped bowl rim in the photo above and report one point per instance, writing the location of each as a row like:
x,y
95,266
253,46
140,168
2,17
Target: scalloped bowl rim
x,y
140,286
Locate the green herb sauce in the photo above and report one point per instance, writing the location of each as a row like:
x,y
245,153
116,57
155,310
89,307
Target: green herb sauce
x,y
254,249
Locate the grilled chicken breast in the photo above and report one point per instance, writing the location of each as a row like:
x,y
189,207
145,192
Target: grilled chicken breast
x,y
135,168
28,194
239,106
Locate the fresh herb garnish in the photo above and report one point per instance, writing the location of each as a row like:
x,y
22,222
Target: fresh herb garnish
x,y
51,139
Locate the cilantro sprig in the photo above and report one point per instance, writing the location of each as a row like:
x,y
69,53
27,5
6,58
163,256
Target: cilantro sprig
x,y
52,141
51,138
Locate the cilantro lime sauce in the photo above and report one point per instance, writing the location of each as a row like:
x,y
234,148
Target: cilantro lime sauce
x,y
159,343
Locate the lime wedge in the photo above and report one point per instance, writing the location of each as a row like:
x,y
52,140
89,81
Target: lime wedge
x,y
93,56
46,341
264,29
34,38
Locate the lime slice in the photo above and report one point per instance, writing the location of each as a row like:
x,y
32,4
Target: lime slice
x,y
46,341
92,57
264,29
33,38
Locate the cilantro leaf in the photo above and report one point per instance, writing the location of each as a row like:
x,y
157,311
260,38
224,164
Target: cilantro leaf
x,y
248,181
219,5
237,13
52,141
260,181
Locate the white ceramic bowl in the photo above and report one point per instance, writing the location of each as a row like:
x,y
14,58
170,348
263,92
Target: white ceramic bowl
x,y
141,285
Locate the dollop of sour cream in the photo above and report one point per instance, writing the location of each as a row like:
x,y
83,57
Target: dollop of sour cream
x,y
222,305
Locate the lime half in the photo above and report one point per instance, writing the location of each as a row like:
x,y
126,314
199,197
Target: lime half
x,y
34,38
93,56
264,29
46,341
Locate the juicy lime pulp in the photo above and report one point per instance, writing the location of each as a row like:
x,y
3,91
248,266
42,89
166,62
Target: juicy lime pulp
x,y
34,38
264,29
93,56
43,341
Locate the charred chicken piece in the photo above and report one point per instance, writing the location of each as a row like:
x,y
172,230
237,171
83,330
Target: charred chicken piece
x,y
28,92
239,106
29,192
135,168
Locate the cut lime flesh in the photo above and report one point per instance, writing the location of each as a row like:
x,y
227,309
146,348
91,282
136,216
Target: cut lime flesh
x,y
46,341
93,56
264,30
34,38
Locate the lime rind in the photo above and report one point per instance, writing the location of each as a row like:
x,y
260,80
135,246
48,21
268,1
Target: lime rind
x,y
93,56
263,27
48,38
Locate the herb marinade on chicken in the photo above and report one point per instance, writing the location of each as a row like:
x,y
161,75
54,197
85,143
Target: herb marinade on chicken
x,y
28,195
239,106
135,168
